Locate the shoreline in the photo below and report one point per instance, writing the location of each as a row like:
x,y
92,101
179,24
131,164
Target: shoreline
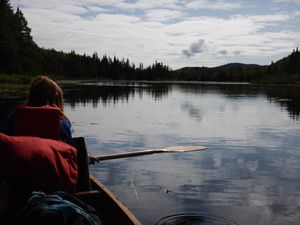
x,y
18,79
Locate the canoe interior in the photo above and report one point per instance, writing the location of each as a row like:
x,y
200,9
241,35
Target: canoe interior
x,y
111,210
13,196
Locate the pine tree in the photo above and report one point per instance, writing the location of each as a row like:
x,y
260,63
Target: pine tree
x,y
8,45
18,52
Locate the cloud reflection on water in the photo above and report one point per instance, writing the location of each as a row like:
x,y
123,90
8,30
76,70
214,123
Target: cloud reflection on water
x,y
249,174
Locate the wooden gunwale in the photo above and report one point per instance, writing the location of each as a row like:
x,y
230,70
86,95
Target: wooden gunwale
x,y
111,210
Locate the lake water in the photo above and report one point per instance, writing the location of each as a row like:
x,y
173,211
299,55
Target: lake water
x,y
249,175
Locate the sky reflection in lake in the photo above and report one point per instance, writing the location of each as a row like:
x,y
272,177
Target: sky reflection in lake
x,y
249,175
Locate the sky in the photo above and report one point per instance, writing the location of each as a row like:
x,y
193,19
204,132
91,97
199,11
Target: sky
x,y
178,33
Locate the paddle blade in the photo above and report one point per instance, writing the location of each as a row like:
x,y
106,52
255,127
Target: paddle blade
x,y
184,148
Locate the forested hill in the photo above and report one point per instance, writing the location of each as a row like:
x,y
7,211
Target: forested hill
x,y
235,72
237,65
286,70
19,54
287,65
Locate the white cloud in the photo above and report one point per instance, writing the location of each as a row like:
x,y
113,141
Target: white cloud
x,y
140,4
145,31
195,48
162,15
287,1
238,36
220,5
157,4
97,9
264,20
70,9
225,52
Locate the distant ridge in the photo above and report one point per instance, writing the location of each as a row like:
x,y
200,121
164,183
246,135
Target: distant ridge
x,y
225,66
237,65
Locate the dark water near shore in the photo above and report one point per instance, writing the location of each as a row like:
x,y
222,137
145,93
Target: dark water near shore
x,y
249,174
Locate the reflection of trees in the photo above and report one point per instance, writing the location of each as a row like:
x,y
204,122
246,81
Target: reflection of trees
x,y
230,90
112,93
288,96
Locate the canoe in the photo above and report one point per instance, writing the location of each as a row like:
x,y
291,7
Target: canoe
x,y
92,192
112,210
14,195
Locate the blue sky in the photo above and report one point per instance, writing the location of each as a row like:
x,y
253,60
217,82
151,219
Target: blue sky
x,y
176,32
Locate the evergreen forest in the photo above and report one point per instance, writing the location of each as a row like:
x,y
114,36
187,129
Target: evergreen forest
x,y
20,55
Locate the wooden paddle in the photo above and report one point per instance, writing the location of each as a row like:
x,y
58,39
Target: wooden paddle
x,y
150,151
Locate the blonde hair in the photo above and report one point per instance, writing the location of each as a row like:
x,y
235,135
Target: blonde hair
x,y
45,91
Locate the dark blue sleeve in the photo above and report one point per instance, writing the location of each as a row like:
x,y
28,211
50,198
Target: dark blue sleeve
x,y
65,129
8,125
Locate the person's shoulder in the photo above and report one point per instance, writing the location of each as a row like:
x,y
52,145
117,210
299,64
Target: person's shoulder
x,y
65,125
65,121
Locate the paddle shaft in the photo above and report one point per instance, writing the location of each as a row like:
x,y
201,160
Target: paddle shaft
x,y
129,154
150,151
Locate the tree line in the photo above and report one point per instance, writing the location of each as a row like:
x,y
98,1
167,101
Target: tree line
x,y
19,54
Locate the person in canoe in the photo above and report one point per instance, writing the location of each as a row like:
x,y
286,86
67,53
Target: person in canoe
x,y
42,115
32,136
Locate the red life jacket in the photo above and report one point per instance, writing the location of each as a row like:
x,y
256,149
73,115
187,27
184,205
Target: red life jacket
x,y
43,121
50,163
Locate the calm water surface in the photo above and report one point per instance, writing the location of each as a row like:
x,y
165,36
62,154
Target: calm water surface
x,y
249,174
